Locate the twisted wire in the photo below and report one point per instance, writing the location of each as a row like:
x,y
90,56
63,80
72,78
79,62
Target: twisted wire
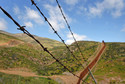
x,y
70,29
33,3
30,35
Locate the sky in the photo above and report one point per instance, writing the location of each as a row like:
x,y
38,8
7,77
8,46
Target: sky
x,y
90,20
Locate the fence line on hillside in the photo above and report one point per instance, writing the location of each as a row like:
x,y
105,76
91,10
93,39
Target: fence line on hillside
x,y
22,28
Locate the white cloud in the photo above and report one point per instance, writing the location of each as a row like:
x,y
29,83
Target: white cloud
x,y
81,10
95,11
114,7
33,15
71,2
77,37
56,18
3,24
28,24
123,29
16,10
28,15
52,1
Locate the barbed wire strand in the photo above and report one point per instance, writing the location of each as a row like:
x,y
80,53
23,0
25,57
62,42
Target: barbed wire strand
x,y
33,3
70,29
73,35
30,35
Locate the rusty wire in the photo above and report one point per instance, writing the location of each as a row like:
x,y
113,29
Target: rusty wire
x,y
30,35
33,3
70,29
59,6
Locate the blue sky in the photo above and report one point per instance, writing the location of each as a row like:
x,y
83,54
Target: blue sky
x,y
94,20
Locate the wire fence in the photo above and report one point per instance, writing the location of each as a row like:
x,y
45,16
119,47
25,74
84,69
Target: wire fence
x,y
70,29
45,49
33,3
74,38
22,28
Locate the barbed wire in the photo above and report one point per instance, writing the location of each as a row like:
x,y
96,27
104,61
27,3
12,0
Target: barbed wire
x,y
70,29
33,3
30,35
73,36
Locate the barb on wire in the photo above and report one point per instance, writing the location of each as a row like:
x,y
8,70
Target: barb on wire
x,y
33,3
30,35
70,29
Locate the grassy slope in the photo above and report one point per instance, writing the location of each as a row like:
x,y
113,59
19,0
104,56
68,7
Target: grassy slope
x,y
111,64
5,38
67,59
22,55
34,58
49,43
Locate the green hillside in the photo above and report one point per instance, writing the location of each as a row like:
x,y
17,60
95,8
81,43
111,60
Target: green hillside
x,y
19,52
49,43
67,59
23,54
111,67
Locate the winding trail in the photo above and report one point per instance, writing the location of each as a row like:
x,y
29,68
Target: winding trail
x,y
65,79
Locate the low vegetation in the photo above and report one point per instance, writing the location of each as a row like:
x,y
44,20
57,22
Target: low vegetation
x,y
16,52
33,57
15,79
111,64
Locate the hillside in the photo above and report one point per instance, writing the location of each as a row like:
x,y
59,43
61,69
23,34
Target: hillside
x,y
111,67
19,52
49,43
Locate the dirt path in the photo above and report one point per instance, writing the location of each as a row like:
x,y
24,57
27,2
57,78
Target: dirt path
x,y
21,73
63,79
